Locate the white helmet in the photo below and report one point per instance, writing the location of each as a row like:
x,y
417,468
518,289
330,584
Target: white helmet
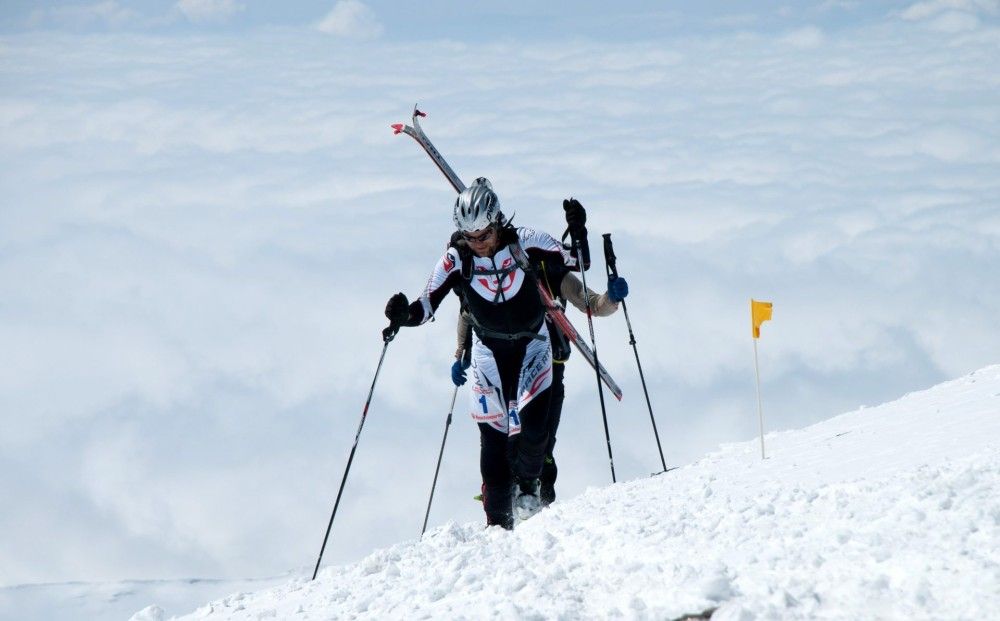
x,y
477,207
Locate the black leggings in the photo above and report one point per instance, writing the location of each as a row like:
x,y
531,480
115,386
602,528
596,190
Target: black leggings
x,y
500,457
558,393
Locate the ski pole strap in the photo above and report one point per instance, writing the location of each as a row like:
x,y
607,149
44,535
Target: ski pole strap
x,y
389,332
584,247
609,254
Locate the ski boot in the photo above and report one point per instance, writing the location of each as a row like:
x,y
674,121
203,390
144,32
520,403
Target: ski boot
x,y
525,498
498,512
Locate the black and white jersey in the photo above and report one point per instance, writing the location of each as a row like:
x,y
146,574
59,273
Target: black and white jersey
x,y
502,298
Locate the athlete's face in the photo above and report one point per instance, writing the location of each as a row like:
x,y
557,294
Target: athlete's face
x,y
482,242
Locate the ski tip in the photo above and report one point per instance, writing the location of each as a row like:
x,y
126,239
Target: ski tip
x,y
397,128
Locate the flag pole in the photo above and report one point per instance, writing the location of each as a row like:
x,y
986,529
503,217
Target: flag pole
x,y
760,409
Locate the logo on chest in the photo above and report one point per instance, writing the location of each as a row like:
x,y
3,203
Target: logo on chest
x,y
501,286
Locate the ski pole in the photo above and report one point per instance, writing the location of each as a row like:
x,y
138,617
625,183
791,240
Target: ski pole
x,y
447,424
610,260
597,366
387,335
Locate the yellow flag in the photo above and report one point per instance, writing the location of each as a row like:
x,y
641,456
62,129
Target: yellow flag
x,y
759,313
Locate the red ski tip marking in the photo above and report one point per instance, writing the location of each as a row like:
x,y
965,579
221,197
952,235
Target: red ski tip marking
x,y
397,128
419,113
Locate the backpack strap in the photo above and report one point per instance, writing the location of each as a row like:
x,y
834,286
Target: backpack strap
x,y
504,336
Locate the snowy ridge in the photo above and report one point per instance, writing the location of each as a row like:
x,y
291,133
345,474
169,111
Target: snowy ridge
x,y
884,512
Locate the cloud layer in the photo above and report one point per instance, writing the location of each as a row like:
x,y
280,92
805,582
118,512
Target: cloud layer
x,y
197,238
209,11
350,19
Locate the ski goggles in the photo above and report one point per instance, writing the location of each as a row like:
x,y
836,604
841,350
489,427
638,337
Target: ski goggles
x,y
478,239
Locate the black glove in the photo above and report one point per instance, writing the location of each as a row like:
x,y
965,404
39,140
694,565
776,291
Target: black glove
x,y
462,248
397,310
576,219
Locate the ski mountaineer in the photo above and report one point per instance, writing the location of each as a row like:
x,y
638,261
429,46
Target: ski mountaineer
x,y
511,357
561,284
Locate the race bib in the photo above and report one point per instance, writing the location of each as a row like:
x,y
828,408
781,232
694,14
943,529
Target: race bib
x,y
486,407
513,419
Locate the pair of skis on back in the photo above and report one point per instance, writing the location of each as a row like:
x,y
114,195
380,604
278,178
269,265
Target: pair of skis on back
x,y
553,309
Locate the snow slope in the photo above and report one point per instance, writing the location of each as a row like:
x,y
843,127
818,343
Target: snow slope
x,y
884,512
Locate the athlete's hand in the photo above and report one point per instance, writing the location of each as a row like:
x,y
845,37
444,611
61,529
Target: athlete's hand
x,y
458,372
576,219
617,288
397,309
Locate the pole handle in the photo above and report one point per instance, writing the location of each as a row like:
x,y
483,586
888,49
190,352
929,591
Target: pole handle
x,y
609,255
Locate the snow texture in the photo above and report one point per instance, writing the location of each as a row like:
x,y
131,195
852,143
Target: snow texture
x,y
885,512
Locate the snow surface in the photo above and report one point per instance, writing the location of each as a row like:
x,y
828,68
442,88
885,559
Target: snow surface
x,y
884,512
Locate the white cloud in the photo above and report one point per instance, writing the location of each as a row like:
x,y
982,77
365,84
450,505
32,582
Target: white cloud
x,y
946,143
955,21
351,19
107,13
209,11
844,5
210,250
805,37
931,8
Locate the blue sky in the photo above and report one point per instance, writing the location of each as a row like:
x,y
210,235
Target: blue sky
x,y
462,21
203,213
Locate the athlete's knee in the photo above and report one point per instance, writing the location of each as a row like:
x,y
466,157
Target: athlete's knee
x,y
535,415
